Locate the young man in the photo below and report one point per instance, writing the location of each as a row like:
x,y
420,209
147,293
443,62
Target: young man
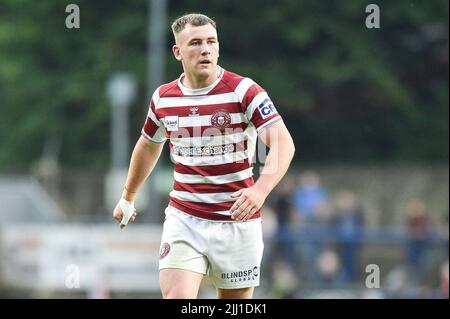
x,y
212,118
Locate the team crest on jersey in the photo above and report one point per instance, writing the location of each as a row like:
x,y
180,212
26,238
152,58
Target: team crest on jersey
x,y
165,248
266,108
221,120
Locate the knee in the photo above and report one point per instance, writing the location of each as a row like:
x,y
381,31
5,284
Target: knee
x,y
242,293
178,293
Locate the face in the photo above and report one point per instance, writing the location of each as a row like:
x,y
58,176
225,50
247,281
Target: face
x,y
197,48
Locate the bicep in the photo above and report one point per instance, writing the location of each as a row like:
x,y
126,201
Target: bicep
x,y
274,133
150,147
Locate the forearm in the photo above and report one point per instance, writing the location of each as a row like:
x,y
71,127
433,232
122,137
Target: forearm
x,y
143,160
277,163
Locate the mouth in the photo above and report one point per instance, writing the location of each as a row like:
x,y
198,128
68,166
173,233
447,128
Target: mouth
x,y
205,62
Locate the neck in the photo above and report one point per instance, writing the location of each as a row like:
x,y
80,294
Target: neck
x,y
196,82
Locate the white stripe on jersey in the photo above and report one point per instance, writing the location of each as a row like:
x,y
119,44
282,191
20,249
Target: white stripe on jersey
x,y
278,118
205,120
257,100
158,137
210,160
243,87
198,100
155,98
214,140
217,179
211,198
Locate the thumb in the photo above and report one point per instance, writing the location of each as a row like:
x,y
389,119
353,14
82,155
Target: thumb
x,y
127,211
124,221
237,194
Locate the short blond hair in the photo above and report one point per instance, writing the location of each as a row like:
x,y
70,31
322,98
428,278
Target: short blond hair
x,y
194,19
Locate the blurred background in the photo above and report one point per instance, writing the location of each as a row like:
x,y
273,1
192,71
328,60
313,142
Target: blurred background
x,y
367,192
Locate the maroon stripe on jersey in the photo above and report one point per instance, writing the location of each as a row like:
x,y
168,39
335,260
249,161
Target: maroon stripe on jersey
x,y
258,120
220,88
206,131
187,110
212,170
213,188
231,80
152,106
206,211
170,89
150,127
253,91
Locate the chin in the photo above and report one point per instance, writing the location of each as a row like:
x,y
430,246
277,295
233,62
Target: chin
x,y
205,73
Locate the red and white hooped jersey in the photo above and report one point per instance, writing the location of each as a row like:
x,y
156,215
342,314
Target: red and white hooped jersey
x,y
212,133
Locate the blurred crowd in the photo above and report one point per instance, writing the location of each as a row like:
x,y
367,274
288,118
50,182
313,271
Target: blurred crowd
x,y
317,240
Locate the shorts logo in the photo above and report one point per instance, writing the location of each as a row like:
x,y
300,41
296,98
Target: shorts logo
x,y
221,120
266,108
242,275
165,248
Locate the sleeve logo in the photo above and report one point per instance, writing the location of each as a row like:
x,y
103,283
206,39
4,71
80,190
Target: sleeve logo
x,y
171,123
266,108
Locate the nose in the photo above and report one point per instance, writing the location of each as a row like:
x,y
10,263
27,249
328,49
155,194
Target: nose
x,y
206,49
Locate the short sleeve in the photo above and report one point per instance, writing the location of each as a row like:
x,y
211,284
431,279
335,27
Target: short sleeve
x,y
257,106
153,130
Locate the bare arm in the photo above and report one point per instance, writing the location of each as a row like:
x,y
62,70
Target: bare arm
x,y
281,152
280,155
143,160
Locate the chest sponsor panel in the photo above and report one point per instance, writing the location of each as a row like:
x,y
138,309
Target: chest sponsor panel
x,y
208,150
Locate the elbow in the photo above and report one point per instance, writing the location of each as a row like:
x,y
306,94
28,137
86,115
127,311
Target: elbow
x,y
292,150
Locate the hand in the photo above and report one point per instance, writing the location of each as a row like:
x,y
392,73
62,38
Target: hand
x,y
250,200
124,212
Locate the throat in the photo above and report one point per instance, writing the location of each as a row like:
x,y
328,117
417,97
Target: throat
x,y
199,81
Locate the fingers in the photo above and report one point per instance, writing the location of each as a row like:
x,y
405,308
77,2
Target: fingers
x,y
238,193
124,219
242,212
250,214
244,208
237,203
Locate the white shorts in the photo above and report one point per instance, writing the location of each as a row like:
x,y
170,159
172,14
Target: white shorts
x,y
229,253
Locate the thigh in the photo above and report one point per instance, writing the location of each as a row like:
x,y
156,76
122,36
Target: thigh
x,y
179,283
182,247
242,293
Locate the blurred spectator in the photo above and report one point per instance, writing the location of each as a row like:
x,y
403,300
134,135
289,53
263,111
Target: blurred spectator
x,y
418,238
310,198
329,270
443,291
348,224
285,236
284,281
443,233
311,205
400,283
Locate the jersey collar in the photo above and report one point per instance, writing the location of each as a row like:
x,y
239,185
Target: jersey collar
x,y
202,91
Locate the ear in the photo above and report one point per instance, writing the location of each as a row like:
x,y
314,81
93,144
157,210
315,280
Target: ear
x,y
176,52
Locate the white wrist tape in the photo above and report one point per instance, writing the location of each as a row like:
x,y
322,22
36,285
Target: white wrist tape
x,y
127,210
